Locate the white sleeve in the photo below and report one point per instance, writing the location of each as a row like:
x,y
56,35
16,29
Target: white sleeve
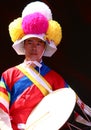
x,y
5,123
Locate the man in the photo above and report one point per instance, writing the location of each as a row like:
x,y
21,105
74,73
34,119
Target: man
x,y
22,87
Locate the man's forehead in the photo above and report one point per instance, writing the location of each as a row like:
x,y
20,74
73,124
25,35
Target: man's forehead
x,y
34,39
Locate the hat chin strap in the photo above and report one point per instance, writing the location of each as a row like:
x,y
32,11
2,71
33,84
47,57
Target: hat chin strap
x,y
42,54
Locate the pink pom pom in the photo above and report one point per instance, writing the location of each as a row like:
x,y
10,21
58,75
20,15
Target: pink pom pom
x,y
35,23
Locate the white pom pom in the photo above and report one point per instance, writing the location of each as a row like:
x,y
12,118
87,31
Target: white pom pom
x,y
37,6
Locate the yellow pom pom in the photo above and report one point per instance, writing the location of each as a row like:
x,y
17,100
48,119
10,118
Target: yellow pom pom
x,y
54,32
15,29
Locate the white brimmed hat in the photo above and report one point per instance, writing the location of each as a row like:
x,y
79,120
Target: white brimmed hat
x,y
35,22
19,45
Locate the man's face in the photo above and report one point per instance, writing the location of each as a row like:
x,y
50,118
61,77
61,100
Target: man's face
x,y
34,49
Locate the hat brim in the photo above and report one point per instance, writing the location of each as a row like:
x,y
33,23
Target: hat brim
x,y
18,45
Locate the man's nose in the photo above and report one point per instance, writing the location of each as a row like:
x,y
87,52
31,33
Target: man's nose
x,y
34,46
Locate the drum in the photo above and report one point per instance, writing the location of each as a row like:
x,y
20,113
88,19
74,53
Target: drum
x,y
53,111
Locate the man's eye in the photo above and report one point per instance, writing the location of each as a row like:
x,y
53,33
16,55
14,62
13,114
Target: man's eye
x,y
29,42
38,44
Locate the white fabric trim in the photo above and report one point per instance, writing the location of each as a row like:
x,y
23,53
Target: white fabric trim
x,y
4,102
34,62
5,123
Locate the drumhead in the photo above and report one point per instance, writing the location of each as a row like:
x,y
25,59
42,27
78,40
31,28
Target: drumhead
x,y
53,111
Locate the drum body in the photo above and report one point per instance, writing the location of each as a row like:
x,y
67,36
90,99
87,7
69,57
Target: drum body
x,y
53,111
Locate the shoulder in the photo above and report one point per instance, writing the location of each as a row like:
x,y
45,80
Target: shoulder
x,y
51,72
56,75
11,72
11,75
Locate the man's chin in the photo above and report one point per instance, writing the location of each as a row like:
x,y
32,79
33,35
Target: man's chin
x,y
34,59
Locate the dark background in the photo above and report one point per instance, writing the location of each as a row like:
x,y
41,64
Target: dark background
x,y
73,58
